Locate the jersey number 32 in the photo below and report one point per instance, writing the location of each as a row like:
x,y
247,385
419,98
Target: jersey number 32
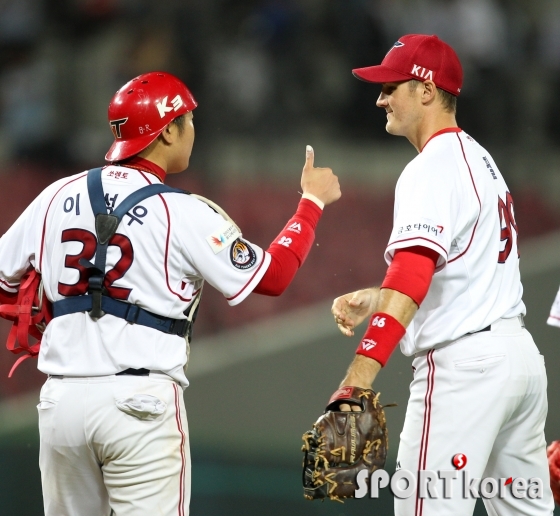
x,y
89,242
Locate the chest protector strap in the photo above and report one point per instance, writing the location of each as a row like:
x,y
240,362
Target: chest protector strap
x,y
96,302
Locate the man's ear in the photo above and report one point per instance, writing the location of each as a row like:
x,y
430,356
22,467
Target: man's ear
x,y
167,135
429,91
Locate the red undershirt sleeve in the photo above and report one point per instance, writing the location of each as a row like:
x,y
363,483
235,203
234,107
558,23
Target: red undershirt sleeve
x,y
289,249
411,272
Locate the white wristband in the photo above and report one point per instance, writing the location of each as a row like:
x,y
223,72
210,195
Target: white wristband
x,y
316,200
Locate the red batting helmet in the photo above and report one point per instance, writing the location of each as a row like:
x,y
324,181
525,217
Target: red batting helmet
x,y
142,108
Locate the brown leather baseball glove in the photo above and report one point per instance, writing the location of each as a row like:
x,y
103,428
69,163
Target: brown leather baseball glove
x,y
341,444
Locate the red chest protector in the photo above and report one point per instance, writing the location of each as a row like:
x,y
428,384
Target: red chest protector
x,y
30,313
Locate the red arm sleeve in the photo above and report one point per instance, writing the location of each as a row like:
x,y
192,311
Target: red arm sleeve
x,y
289,249
411,272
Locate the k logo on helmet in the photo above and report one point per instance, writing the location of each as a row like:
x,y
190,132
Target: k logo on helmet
x,y
163,108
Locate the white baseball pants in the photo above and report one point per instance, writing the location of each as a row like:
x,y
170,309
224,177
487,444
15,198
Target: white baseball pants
x,y
115,443
483,396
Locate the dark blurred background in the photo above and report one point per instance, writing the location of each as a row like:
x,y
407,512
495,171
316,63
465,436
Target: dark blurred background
x,y
270,77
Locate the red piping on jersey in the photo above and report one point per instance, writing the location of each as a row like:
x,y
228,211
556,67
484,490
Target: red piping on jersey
x,y
166,243
7,285
182,475
47,213
249,282
554,317
418,238
141,164
167,249
479,204
426,427
443,131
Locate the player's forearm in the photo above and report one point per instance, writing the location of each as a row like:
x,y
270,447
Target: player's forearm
x,y
299,232
396,304
280,273
290,249
363,369
403,290
362,372
387,326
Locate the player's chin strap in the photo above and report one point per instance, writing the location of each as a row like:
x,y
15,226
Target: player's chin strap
x,y
96,302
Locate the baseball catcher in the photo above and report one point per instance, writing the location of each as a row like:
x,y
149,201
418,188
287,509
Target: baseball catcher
x,y
342,443
123,259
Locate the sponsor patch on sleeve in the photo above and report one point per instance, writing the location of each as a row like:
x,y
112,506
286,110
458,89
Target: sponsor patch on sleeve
x,y
222,238
242,255
422,226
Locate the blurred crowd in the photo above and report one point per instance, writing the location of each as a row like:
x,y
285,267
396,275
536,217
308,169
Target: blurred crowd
x,y
267,71
263,69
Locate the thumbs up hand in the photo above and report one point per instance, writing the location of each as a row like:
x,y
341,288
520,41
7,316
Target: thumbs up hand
x,y
320,182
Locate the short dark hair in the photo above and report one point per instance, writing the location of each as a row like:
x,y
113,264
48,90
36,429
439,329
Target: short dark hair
x,y
448,101
180,123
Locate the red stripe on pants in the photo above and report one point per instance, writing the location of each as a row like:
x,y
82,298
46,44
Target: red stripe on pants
x,y
182,476
426,427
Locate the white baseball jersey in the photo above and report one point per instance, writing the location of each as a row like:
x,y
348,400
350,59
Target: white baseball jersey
x,y
163,250
453,199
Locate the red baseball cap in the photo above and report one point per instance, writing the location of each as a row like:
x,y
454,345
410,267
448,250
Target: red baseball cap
x,y
420,57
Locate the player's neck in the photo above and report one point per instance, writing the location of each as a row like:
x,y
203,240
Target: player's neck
x,y
429,126
165,156
146,165
155,155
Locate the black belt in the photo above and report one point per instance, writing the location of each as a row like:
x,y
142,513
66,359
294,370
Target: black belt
x,y
489,327
130,371
134,372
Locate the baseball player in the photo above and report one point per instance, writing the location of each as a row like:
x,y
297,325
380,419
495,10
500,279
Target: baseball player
x,y
452,298
123,259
